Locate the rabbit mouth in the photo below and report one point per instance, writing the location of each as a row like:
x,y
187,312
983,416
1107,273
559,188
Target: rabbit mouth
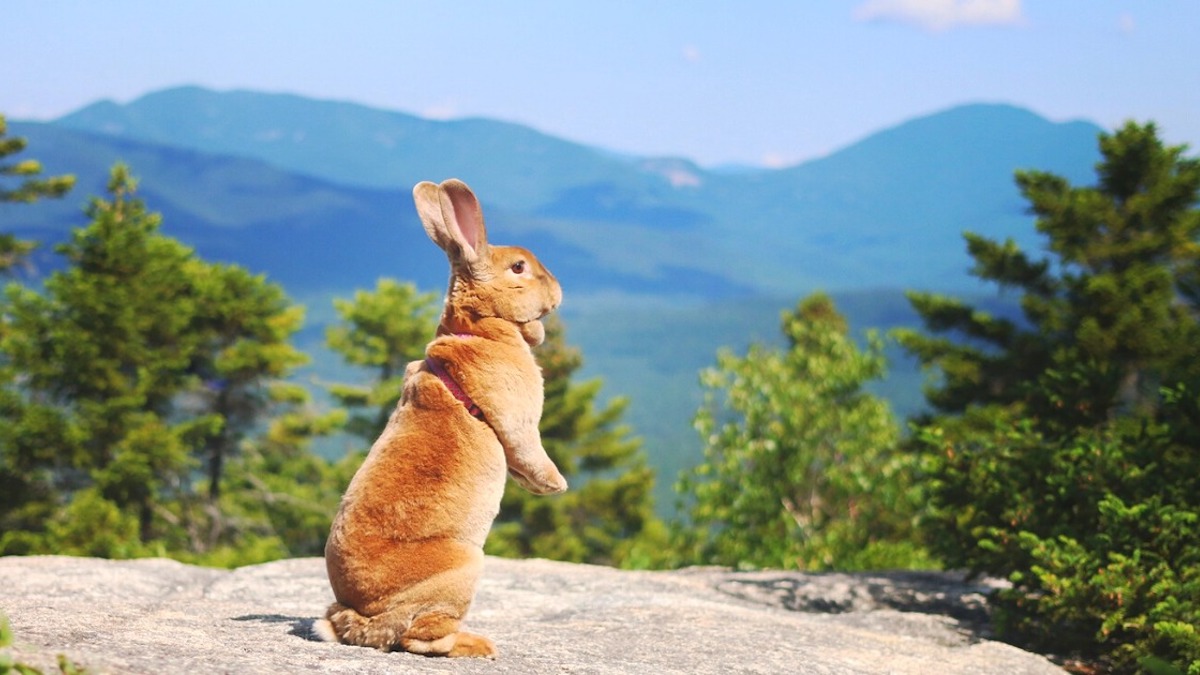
x,y
536,315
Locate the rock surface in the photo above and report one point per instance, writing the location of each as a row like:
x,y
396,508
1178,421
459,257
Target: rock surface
x,y
164,617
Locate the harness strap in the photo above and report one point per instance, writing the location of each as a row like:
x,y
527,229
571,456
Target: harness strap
x,y
437,368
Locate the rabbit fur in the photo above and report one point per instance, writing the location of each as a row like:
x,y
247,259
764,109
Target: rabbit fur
x,y
406,548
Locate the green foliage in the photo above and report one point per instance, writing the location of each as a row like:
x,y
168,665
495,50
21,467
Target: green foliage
x,y
1135,587
800,464
135,368
607,516
96,360
1125,252
1096,529
29,189
282,494
381,330
247,323
1065,455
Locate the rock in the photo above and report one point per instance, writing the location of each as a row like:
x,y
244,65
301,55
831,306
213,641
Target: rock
x,y
163,617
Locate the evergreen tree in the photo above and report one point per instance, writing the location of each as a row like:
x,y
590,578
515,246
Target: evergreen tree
x,y
247,323
279,495
607,515
29,189
1117,294
800,464
239,382
97,361
137,365
1065,455
382,330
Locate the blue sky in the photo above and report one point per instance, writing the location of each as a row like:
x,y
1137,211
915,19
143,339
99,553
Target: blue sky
x,y
746,81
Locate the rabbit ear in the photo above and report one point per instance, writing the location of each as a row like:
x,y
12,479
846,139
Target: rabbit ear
x,y
427,197
460,205
452,219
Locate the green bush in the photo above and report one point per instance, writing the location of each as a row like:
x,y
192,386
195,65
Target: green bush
x,y
1134,586
801,466
1097,532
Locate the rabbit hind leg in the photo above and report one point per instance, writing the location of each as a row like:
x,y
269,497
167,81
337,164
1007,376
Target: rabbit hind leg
x,y
344,624
437,634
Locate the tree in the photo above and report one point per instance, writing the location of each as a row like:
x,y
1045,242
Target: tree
x,y
265,493
30,188
135,366
1123,283
382,330
801,468
98,359
607,515
279,496
247,324
1065,455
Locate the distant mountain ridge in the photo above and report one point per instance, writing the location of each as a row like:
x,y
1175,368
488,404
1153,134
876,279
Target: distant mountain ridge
x,y
835,222
353,144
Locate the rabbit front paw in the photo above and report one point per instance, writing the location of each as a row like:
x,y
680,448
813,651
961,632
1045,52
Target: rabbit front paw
x,y
547,481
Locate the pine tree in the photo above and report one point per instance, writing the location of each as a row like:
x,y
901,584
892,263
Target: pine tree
x,y
136,366
247,323
100,357
1119,294
801,468
1065,456
607,515
381,330
280,496
29,189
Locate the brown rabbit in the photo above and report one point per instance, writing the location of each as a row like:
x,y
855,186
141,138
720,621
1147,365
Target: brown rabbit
x,y
406,547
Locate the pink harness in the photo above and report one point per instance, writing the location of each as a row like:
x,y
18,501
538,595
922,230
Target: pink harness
x,y
438,369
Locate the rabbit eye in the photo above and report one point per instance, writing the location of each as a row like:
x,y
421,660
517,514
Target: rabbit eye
x,y
518,267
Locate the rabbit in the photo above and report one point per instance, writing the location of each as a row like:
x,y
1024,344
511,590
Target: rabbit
x,y
406,547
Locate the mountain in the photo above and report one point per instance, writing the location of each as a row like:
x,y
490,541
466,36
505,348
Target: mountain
x,y
307,233
836,222
662,261
893,206
355,145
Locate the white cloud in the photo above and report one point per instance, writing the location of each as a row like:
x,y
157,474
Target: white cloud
x,y
691,53
938,15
